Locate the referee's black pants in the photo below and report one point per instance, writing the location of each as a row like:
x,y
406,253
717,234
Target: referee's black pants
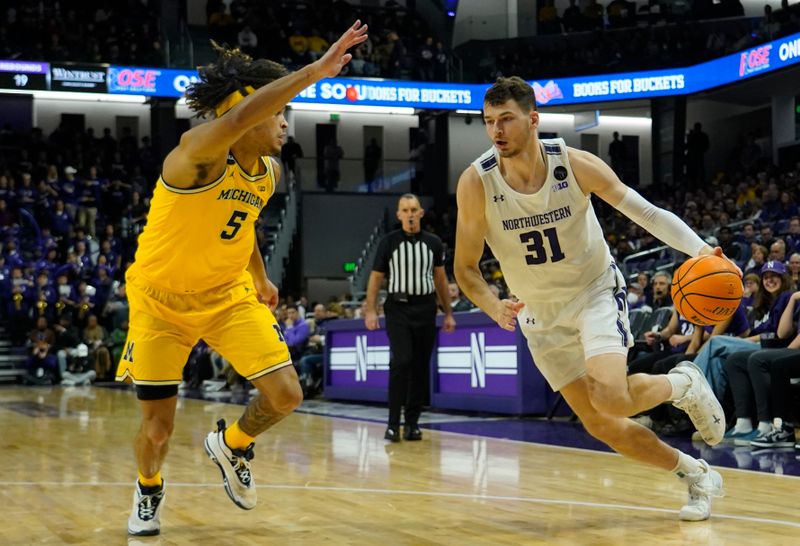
x,y
411,328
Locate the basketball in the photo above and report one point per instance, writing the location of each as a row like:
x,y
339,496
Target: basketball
x,y
706,290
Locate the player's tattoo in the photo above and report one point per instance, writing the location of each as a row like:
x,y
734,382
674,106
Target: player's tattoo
x,y
259,416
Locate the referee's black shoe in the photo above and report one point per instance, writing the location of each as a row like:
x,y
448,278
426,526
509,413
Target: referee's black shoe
x,y
392,434
412,433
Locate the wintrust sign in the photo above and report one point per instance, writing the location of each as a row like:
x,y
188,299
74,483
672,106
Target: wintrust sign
x,y
76,77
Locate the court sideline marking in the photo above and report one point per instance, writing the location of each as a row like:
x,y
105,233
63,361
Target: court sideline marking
x,y
468,496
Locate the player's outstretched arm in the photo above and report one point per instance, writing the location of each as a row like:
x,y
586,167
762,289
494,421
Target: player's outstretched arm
x,y
206,146
594,176
471,229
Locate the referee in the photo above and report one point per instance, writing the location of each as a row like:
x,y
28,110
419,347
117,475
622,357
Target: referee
x,y
414,262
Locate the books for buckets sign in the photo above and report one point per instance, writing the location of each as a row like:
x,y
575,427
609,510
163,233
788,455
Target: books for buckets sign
x,y
78,77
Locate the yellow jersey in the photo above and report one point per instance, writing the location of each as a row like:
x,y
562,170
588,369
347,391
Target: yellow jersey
x,y
201,238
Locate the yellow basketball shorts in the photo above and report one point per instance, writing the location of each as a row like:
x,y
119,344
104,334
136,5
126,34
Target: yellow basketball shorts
x,y
164,326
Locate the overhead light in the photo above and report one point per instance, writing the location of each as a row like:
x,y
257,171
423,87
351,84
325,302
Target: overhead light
x,y
631,121
84,97
548,117
314,107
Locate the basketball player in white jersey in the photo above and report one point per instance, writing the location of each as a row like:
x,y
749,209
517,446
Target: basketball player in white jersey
x,y
529,199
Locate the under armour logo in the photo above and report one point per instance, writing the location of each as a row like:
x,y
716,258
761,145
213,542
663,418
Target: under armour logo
x,y
262,188
499,198
128,352
530,320
716,419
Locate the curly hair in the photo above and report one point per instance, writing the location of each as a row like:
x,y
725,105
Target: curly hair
x,y
232,71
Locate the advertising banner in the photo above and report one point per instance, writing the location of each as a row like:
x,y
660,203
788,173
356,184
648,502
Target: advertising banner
x,y
24,75
83,78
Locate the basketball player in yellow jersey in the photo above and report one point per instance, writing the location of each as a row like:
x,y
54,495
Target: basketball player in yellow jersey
x,y
199,274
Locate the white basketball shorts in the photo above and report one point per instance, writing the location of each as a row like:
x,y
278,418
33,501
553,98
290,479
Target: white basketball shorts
x,y
563,335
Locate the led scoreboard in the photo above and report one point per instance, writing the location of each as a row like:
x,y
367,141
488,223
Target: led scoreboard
x,y
24,75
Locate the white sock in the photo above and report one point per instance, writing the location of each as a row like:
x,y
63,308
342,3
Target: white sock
x,y
680,384
764,426
743,425
687,465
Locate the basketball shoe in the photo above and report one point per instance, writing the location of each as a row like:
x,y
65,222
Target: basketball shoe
x,y
703,486
235,467
144,519
700,404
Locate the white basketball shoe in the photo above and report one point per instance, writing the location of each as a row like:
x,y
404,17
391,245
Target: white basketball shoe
x,y
703,486
235,467
145,516
700,404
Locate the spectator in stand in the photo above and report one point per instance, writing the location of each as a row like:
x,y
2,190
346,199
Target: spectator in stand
x,y
572,18
777,251
79,371
661,291
117,309
636,297
310,366
441,61
794,270
332,153
291,151
697,144
299,45
616,152
88,194
18,302
317,45
69,191
730,248
752,284
295,332
425,54
767,236
758,256
247,40
67,340
793,237
41,361
548,18
749,376
768,306
593,15
95,337
372,160
397,55
458,303
44,297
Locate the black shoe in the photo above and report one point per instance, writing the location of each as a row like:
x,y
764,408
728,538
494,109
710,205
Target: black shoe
x,y
392,434
412,433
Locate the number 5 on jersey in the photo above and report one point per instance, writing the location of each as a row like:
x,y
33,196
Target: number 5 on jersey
x,y
235,223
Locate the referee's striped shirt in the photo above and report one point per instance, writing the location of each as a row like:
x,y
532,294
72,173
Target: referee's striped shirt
x,y
408,260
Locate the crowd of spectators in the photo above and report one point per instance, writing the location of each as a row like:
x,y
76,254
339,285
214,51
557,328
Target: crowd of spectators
x,y
579,44
123,32
400,44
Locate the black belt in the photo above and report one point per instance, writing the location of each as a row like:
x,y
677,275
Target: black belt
x,y
398,297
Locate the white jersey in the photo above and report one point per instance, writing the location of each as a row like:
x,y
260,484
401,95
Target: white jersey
x,y
549,244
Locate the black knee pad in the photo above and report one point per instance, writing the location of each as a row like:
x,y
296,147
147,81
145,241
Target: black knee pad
x,y
156,392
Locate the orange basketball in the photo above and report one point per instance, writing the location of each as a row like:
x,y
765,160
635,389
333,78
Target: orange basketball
x,y
706,290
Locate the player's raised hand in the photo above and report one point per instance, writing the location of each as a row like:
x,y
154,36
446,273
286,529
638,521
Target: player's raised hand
x,y
506,314
336,57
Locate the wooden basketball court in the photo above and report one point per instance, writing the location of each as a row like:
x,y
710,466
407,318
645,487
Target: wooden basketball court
x,y
68,473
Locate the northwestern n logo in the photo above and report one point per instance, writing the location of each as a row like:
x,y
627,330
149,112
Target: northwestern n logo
x,y
477,357
361,358
128,352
